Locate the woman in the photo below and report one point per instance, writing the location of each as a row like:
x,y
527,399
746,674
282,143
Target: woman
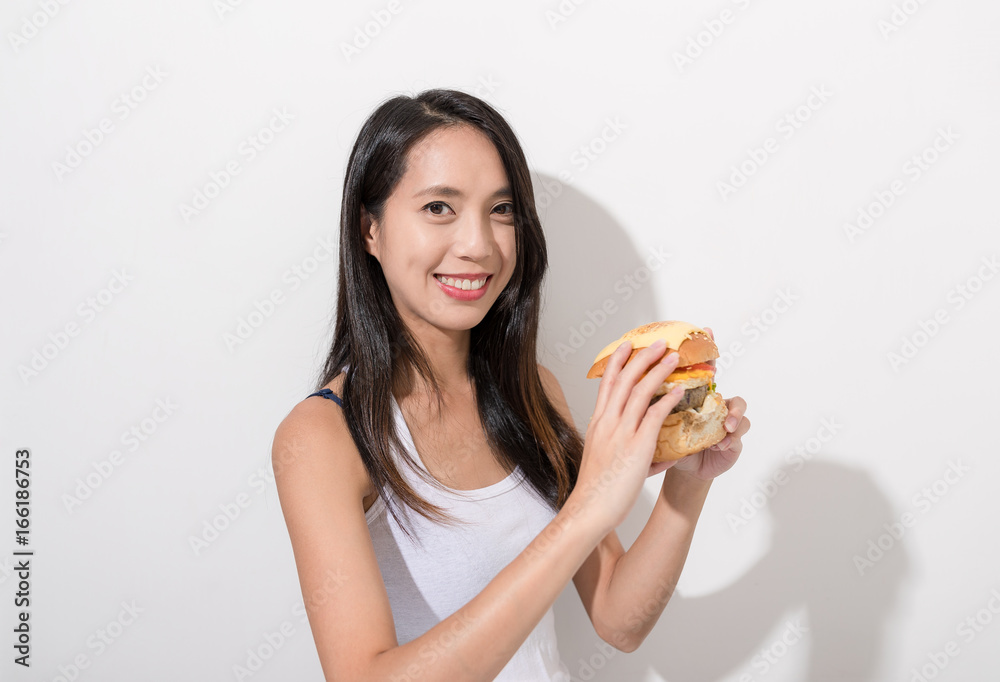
x,y
441,498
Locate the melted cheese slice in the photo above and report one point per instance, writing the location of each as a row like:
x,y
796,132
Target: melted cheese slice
x,y
684,375
674,335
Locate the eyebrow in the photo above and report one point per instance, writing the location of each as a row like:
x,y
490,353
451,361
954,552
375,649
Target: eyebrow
x,y
444,190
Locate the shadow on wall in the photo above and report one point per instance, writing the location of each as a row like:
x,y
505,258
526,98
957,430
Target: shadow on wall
x,y
806,589
597,286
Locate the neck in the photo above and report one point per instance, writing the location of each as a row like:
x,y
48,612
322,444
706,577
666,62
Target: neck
x,y
447,351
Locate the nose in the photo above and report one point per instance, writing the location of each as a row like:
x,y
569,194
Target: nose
x,y
474,240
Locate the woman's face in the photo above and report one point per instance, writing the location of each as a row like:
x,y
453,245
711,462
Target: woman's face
x,y
450,216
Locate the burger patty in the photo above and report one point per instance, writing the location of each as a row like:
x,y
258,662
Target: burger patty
x,y
693,397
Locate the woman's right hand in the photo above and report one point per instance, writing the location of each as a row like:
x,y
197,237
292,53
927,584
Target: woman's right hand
x,y
621,439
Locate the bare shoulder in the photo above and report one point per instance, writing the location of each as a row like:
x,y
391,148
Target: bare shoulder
x,y
321,484
313,445
555,393
549,381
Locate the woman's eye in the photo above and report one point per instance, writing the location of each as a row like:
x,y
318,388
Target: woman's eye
x,y
509,209
434,205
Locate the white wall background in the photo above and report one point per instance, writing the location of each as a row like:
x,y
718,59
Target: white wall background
x,y
115,303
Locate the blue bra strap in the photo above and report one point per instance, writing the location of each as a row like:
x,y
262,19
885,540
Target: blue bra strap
x,y
327,393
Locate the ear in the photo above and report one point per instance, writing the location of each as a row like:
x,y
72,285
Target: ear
x,y
369,230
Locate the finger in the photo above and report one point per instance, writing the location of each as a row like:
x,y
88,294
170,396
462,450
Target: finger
x,y
725,444
731,447
615,362
656,414
737,407
742,429
638,403
659,467
734,441
727,458
629,377
648,384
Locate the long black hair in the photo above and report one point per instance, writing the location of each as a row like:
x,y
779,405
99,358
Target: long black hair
x,y
520,423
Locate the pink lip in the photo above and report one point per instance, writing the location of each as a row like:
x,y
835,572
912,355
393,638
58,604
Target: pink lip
x,y
462,294
464,275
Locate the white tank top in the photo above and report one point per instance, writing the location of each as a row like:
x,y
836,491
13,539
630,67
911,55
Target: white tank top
x,y
429,582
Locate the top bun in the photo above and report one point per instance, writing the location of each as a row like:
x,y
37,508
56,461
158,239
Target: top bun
x,y
693,344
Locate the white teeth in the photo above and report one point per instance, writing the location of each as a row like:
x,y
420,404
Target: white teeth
x,y
463,284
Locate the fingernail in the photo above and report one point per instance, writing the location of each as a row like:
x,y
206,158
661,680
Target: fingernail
x,y
731,424
658,344
623,344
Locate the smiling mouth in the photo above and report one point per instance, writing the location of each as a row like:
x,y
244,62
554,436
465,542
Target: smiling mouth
x,y
463,284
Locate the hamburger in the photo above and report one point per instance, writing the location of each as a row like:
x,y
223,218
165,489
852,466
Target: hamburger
x,y
697,421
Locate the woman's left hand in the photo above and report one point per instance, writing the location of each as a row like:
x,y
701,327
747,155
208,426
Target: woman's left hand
x,y
719,458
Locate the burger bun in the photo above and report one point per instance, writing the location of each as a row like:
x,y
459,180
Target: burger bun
x,y
689,431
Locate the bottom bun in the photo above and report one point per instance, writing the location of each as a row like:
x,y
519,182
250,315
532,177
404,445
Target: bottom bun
x,y
688,431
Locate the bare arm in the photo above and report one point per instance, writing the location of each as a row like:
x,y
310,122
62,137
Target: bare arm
x,y
628,593
644,577
321,483
625,592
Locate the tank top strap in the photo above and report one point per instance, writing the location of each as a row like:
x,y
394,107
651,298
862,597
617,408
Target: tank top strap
x,y
327,393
